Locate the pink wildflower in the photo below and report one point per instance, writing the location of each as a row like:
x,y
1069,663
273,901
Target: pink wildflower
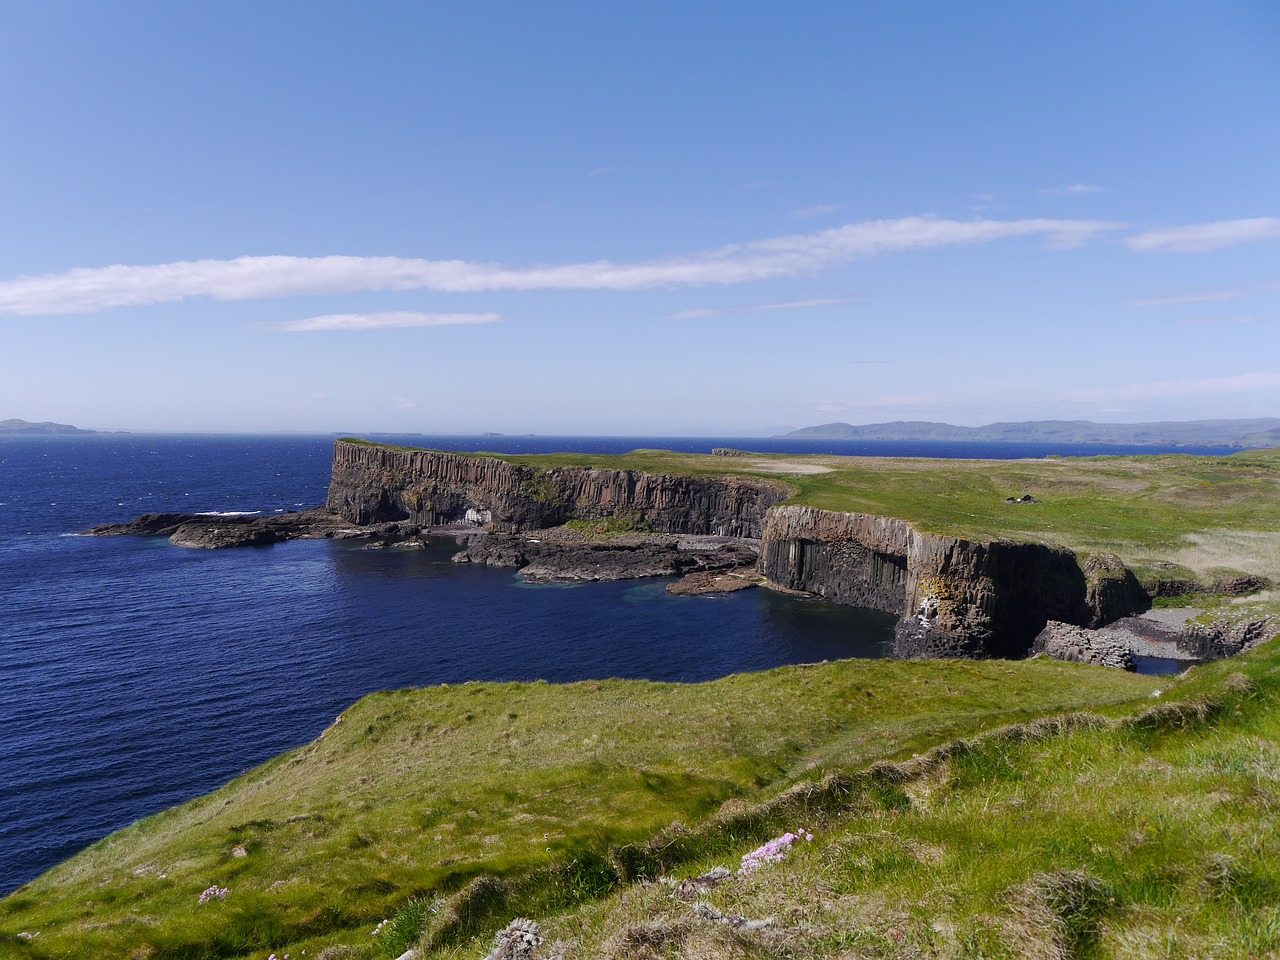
x,y
214,892
772,852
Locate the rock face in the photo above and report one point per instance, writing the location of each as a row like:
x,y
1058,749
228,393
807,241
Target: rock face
x,y
956,597
1063,641
1214,640
849,558
372,484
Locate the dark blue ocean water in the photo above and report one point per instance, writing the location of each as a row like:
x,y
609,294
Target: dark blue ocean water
x,y
135,675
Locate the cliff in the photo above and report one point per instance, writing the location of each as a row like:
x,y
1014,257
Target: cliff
x,y
374,484
956,597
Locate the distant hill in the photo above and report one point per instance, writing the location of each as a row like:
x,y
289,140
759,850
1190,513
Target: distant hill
x,y
1263,432
23,426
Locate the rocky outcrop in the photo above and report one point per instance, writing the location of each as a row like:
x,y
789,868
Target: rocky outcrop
x,y
372,483
558,561
218,530
956,597
1111,589
1209,641
1063,641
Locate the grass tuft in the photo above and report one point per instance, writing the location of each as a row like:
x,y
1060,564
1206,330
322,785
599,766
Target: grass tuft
x,y
1058,915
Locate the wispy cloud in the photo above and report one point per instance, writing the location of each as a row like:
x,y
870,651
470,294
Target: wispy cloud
x,y
405,403
89,289
1184,297
1203,237
384,321
1237,383
1204,321
821,210
756,307
1075,190
601,171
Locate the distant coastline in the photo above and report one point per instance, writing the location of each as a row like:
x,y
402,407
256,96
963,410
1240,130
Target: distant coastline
x,y
1262,432
46,427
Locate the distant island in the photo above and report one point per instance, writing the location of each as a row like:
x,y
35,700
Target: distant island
x,y
25,427
1263,432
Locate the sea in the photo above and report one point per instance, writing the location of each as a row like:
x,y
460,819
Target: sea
x,y
135,675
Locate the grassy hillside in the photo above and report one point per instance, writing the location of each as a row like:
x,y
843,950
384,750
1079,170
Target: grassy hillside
x,y
417,793
1152,835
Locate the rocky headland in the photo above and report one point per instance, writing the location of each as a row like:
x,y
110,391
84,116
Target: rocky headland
x,y
955,597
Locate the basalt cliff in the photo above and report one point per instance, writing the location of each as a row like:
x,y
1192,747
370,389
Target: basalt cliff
x,y
373,484
954,597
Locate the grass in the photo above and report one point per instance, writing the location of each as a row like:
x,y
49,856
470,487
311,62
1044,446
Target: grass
x,y
501,795
1142,836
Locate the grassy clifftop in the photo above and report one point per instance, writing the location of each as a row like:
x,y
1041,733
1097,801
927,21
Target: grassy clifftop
x,y
417,793
1201,513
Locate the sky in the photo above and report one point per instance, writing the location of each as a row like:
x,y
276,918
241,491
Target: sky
x,y
701,219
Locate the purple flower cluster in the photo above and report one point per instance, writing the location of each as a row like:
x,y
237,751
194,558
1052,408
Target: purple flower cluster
x,y
772,852
213,893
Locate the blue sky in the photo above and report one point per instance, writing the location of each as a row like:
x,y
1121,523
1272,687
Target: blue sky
x,y
708,218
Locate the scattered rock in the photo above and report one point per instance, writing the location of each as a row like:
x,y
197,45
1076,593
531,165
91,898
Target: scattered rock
x,y
697,886
518,940
705,911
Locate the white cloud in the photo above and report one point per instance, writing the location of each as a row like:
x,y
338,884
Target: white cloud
x,y
1203,237
1076,189
756,307
821,210
405,403
382,321
1237,383
88,289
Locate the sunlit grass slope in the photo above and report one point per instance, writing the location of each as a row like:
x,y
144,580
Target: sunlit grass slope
x,y
417,793
1148,836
